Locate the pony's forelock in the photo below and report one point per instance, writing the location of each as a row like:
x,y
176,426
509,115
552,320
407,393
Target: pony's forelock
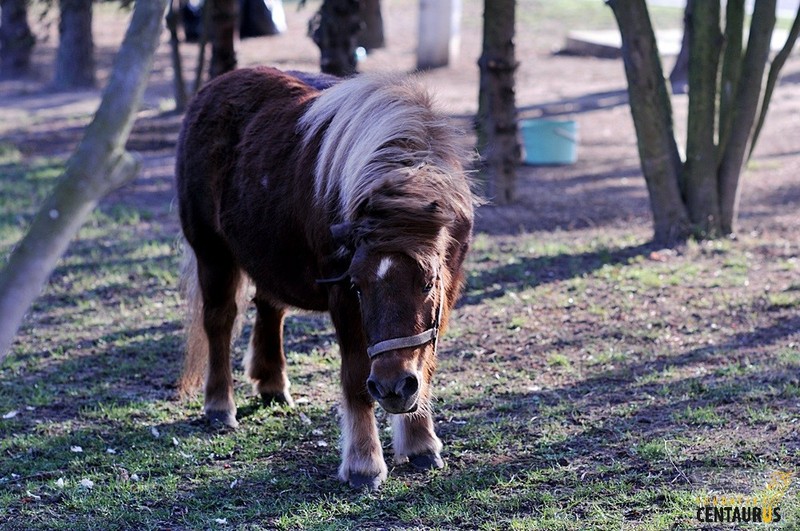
x,y
376,129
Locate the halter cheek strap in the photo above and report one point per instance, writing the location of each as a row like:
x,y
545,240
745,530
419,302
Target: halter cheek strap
x,y
431,334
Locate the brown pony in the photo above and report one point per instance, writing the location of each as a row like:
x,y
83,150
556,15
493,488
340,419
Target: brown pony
x,y
351,200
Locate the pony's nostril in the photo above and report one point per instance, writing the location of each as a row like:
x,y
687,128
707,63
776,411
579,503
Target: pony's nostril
x,y
375,388
407,386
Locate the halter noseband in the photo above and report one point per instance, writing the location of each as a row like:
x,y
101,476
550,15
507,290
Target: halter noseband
x,y
431,334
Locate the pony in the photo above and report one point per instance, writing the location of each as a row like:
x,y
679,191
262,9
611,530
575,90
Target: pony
x,y
352,200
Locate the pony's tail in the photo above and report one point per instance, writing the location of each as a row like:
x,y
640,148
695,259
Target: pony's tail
x,y
195,361
195,358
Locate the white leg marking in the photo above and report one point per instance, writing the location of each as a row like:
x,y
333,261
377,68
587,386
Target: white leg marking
x,y
412,434
361,449
383,267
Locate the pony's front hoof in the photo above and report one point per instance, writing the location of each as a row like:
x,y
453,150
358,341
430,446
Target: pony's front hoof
x,y
281,397
428,461
218,418
362,481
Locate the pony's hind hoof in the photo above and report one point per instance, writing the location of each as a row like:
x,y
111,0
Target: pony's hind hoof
x,y
362,481
427,461
222,419
280,398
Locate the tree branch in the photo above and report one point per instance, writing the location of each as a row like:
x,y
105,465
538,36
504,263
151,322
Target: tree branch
x,y
772,78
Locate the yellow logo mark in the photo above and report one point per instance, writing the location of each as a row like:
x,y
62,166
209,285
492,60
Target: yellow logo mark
x,y
766,501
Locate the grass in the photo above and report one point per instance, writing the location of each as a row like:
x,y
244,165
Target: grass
x,y
589,381
598,431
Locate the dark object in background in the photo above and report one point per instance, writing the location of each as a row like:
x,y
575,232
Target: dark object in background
x,y
371,36
257,18
334,29
192,17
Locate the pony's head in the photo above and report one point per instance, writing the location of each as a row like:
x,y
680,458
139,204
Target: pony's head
x,y
405,272
390,173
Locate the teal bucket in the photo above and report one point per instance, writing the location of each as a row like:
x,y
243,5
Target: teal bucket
x,y
549,141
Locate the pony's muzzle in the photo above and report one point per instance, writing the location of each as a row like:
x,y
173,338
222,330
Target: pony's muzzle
x,y
395,395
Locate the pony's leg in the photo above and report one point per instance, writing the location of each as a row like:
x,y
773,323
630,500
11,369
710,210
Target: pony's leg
x,y
362,455
219,282
414,440
265,362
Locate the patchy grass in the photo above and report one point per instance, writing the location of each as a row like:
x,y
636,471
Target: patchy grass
x,y
588,382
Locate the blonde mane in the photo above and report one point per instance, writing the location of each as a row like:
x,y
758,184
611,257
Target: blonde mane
x,y
380,136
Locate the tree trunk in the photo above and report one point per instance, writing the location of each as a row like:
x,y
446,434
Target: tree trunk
x,y
748,94
173,17
652,117
371,36
16,39
703,198
335,30
700,171
497,113
731,69
99,164
75,58
205,29
224,15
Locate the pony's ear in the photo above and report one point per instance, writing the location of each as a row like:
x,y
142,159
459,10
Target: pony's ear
x,y
342,234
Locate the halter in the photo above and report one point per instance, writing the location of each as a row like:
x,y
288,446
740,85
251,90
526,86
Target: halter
x,y
431,334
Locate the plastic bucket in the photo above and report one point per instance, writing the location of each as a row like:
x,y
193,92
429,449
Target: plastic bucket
x,y
549,141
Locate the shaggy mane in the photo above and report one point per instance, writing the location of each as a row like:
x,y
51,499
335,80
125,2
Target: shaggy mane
x,y
389,162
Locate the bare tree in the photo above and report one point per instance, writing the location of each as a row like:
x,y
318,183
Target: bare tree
x,y
16,39
699,195
497,113
99,164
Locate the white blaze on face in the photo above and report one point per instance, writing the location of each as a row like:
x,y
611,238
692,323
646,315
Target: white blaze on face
x,y
383,267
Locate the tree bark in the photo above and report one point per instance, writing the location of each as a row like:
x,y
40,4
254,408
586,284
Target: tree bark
x,y
16,39
700,171
748,93
371,36
224,14
335,30
75,66
652,117
731,69
497,113
99,164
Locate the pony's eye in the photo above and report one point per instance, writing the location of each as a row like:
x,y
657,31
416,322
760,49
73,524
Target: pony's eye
x,y
428,287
